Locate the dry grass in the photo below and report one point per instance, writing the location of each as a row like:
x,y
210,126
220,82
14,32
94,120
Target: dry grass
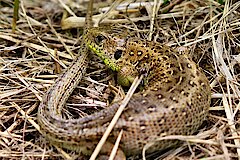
x,y
33,56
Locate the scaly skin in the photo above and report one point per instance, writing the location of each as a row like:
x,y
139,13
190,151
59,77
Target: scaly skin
x,y
176,95
175,98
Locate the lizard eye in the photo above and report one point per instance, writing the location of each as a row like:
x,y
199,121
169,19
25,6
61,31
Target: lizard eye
x,y
99,39
118,54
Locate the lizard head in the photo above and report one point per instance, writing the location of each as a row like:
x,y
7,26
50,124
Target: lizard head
x,y
107,46
110,46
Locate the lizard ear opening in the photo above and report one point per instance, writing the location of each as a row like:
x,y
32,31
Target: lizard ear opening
x,y
99,39
118,54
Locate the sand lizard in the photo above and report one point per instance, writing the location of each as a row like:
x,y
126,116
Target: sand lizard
x,y
175,98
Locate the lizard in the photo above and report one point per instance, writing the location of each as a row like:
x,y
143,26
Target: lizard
x,y
175,98
176,94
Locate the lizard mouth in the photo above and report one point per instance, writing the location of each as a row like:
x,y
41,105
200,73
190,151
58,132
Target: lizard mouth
x,y
126,75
